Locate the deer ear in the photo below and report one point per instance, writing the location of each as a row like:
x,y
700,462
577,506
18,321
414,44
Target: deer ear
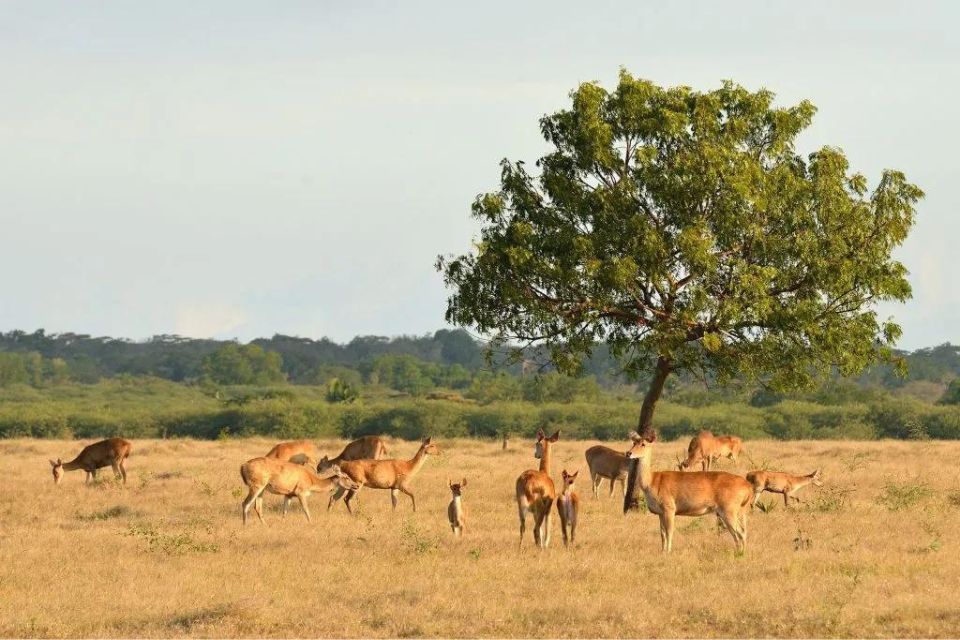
x,y
540,434
59,461
555,436
633,435
427,440
52,463
463,483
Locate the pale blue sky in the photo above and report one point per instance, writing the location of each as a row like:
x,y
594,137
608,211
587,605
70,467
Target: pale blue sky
x,y
244,168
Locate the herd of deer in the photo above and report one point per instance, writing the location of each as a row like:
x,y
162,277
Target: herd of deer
x,y
296,469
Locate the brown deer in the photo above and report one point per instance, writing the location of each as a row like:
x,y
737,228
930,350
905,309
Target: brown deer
x,y
385,474
606,464
779,482
707,448
298,451
365,448
112,452
288,479
456,514
568,506
672,493
536,492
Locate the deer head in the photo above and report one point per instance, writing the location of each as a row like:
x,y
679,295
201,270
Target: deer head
x,y
541,439
569,479
342,480
817,482
57,470
429,448
641,445
456,488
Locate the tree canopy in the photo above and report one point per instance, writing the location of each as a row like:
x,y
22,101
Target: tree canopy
x,y
684,230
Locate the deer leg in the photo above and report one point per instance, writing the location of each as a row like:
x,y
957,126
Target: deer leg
x,y
563,526
393,498
595,479
573,526
668,529
663,534
116,470
245,505
123,470
612,485
347,500
94,474
538,526
303,505
258,507
286,505
522,509
407,491
547,519
786,499
335,496
86,477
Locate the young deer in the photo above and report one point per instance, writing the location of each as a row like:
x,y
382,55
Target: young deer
x,y
779,482
672,493
288,479
707,448
606,463
365,448
455,511
385,474
536,493
112,452
568,506
298,451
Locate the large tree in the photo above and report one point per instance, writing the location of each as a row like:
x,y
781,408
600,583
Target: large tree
x,y
683,229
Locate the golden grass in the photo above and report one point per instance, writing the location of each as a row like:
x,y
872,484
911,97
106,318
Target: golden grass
x,y
873,553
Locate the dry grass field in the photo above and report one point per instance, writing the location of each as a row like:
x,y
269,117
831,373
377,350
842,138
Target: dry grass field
x,y
874,552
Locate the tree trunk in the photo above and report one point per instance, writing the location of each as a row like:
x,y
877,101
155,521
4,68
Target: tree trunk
x,y
631,499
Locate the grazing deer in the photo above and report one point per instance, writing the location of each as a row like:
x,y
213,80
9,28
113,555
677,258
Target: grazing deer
x,y
365,448
385,474
455,511
298,451
672,493
779,482
707,448
288,479
112,452
536,493
606,463
568,506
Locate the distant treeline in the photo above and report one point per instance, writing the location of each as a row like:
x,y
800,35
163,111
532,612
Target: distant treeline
x,y
412,365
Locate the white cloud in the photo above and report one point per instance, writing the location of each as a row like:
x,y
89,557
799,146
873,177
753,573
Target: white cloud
x,y
209,320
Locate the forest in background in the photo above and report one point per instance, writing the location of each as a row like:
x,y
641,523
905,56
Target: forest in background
x,y
71,385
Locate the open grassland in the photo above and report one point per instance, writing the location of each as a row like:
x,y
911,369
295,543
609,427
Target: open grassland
x,y
875,552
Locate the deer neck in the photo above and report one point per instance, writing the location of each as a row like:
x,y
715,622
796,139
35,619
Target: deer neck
x,y
545,457
72,465
645,471
417,461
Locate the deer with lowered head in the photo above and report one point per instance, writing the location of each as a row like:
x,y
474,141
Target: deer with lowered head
x,y
606,464
568,506
112,452
385,474
288,479
779,482
365,448
675,493
706,448
536,492
456,514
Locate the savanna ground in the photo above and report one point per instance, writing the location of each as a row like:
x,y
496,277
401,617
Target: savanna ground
x,y
873,553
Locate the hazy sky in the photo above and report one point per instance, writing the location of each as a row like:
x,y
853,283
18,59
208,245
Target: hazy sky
x,y
244,168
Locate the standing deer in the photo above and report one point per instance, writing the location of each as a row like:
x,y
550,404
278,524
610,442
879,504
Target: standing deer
x,y
298,451
606,463
707,448
455,511
365,448
672,493
288,479
112,452
568,506
385,474
779,482
536,493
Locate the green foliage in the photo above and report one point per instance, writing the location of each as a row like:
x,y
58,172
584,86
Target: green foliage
x,y
31,368
952,394
243,364
897,496
681,227
341,391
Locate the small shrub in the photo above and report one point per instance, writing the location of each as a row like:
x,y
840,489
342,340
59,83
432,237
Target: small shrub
x,y
903,495
167,543
105,514
832,499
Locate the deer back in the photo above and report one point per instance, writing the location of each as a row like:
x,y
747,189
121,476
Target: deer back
x,y
606,462
103,453
698,493
299,449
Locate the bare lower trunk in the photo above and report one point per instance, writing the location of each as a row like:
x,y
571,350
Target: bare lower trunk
x,y
631,499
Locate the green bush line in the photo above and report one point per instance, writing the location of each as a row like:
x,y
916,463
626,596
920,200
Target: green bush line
x,y
156,415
